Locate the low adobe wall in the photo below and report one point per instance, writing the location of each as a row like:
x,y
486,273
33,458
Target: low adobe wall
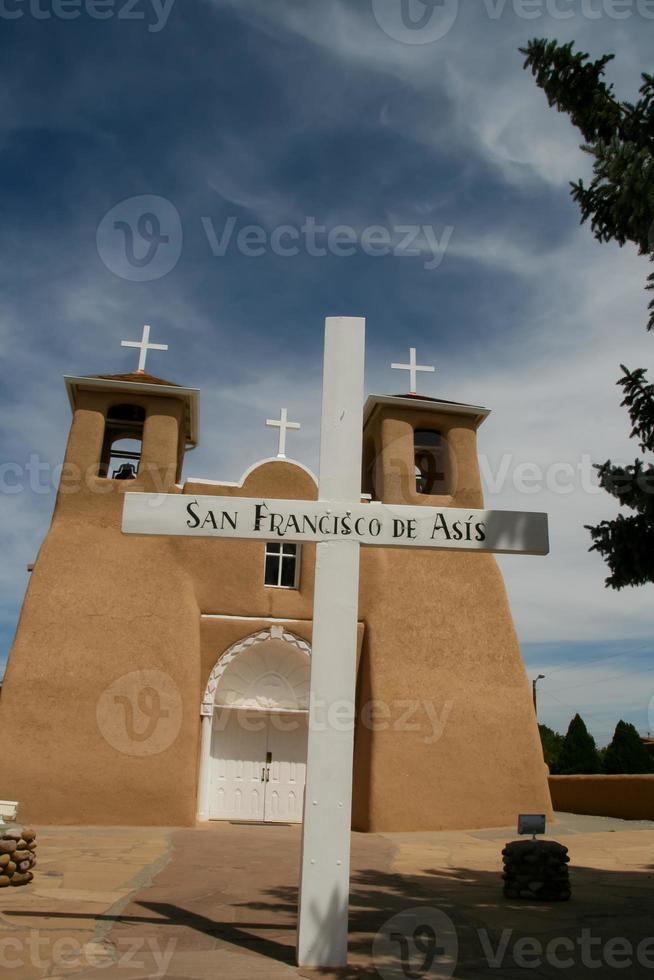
x,y
627,797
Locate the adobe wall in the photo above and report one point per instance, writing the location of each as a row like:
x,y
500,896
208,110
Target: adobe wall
x,y
449,667
98,607
101,605
628,797
474,758
228,574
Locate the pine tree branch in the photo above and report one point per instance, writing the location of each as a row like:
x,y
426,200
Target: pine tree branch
x,y
639,400
619,203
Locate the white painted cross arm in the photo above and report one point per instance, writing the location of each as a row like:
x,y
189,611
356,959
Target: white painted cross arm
x,y
143,345
498,531
413,367
283,425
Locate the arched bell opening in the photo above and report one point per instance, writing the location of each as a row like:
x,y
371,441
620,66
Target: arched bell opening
x,y
122,444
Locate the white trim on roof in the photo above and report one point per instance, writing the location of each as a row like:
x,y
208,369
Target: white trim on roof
x,y
430,404
190,395
251,469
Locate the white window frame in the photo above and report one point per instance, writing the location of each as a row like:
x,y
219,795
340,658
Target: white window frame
x,y
298,556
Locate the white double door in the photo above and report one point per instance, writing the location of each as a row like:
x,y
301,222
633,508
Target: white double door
x,y
258,766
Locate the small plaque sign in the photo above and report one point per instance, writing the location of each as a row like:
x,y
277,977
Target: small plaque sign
x,y
531,823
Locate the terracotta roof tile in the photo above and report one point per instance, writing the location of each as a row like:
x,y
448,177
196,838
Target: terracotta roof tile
x,y
138,377
427,398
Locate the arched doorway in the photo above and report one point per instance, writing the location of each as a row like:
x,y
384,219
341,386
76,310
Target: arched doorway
x,y
254,730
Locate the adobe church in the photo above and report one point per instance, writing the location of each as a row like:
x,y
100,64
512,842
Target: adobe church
x,y
165,680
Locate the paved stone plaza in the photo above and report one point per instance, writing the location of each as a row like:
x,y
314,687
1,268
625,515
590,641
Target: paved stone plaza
x,y
220,902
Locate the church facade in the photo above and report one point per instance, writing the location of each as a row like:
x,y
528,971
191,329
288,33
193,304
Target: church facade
x,y
159,680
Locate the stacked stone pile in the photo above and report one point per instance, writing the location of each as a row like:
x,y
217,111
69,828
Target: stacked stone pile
x,y
536,870
17,857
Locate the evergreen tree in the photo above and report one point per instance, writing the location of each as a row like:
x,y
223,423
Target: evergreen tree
x,y
579,753
627,542
626,753
620,204
552,744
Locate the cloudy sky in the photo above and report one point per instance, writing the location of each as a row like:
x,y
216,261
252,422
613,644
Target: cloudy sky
x,y
232,172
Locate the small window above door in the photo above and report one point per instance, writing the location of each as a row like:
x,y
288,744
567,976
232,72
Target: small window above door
x,y
282,565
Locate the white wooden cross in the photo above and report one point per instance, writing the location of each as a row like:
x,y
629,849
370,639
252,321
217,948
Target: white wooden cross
x,y
144,346
282,424
340,523
412,367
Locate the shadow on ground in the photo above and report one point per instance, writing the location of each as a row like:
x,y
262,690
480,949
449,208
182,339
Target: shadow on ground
x,y
230,897
597,933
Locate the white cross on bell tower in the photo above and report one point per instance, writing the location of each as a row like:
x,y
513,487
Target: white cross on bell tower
x,y
412,367
282,424
144,346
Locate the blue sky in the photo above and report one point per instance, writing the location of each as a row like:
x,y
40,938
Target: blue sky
x,y
275,114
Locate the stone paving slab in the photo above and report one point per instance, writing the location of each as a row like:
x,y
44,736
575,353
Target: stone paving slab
x,y
220,901
56,925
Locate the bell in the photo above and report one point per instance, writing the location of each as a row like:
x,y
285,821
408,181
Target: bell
x,y
126,471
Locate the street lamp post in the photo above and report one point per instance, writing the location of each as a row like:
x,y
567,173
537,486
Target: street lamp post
x,y
533,691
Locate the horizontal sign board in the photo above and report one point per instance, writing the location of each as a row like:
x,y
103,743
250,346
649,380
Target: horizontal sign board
x,y
499,531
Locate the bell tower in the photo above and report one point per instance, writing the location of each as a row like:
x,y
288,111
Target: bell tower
x,y
102,612
422,451
454,710
129,433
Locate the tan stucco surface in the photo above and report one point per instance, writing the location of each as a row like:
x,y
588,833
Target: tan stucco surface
x,y
454,743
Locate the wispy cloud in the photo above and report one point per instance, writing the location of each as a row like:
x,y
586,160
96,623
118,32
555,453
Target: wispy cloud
x,y
603,681
308,108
